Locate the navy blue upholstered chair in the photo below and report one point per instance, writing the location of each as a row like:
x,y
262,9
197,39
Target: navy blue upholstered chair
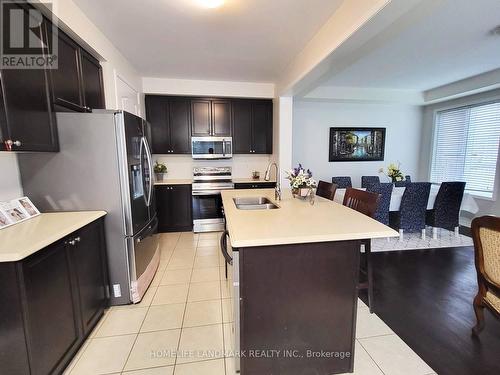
x,y
366,180
385,191
342,182
446,211
411,214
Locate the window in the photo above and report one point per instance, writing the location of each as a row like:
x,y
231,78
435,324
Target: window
x,y
466,147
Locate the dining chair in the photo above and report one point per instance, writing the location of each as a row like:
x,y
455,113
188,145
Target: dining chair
x,y
411,214
342,182
385,191
326,190
446,211
486,236
365,202
366,180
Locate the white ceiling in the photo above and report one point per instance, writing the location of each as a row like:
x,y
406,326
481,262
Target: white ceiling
x,y
244,40
449,42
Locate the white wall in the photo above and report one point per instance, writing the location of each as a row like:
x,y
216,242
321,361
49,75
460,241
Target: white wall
x,y
313,119
170,86
10,185
486,206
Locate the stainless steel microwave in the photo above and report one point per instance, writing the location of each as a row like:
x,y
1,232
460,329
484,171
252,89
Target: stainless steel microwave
x,y
212,147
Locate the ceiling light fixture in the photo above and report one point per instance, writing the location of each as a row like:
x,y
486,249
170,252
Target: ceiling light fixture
x,y
210,3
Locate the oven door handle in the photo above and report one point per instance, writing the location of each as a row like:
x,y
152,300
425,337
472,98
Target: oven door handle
x,y
207,192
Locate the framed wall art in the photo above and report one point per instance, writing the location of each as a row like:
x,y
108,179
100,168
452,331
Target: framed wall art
x,y
357,144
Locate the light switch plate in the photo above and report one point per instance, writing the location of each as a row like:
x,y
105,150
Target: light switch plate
x,y
117,290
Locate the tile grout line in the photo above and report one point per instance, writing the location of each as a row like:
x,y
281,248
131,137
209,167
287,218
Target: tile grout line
x,y
369,355
185,307
374,336
148,308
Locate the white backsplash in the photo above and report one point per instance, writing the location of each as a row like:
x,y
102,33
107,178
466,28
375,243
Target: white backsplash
x,y
181,166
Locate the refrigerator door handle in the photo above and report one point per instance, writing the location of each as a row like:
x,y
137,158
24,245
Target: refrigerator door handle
x,y
141,158
150,164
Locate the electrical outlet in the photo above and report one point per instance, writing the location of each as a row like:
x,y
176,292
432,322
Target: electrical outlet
x,y
117,290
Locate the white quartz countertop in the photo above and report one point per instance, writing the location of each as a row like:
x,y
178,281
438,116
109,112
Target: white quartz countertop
x,y
21,240
175,181
296,221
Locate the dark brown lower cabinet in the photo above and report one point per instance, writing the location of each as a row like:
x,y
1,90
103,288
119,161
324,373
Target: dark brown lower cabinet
x,y
52,300
174,208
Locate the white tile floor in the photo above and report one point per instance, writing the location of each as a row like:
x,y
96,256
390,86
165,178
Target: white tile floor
x,y
186,309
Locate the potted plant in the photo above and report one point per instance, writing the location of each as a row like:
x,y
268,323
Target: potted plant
x,y
301,182
160,171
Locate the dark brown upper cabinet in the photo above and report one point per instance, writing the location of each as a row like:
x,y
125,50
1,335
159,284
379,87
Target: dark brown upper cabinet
x,y
242,127
201,113
170,124
178,121
211,117
77,81
66,79
27,122
221,118
252,126
29,97
175,119
93,91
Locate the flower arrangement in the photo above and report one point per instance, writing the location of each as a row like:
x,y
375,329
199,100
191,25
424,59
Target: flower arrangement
x,y
301,182
393,172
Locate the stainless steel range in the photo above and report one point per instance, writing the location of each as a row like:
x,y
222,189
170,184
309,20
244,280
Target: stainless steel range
x,y
208,182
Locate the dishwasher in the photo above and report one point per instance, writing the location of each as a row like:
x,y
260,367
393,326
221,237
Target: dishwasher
x,y
232,274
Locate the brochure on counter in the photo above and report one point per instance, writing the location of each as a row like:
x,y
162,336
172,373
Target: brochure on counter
x,y
16,211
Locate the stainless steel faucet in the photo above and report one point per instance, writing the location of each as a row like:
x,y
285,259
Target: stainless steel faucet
x,y
267,177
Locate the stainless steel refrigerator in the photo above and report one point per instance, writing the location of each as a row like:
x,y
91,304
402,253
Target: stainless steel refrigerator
x,y
104,163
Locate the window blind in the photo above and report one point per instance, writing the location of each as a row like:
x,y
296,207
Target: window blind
x,y
466,147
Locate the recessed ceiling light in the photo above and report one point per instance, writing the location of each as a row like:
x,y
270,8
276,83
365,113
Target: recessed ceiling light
x,y
210,3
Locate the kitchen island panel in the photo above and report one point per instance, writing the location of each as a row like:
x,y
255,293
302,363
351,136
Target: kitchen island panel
x,y
301,301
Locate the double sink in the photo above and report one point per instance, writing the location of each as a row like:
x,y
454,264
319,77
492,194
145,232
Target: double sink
x,y
254,203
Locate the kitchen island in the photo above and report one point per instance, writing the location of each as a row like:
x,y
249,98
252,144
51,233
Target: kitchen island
x,y
295,274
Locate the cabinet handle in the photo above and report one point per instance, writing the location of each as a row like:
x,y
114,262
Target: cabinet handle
x,y
71,242
78,239
9,143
